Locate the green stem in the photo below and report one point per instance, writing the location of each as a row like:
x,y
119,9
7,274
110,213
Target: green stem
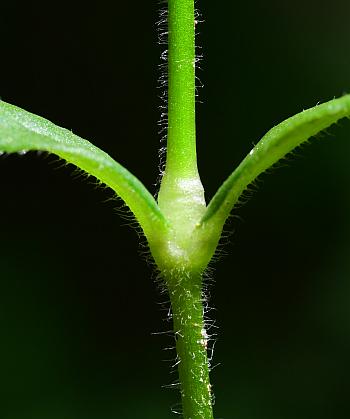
x,y
181,141
181,194
181,200
191,345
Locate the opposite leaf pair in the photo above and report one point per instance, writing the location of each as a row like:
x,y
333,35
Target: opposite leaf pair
x,y
23,131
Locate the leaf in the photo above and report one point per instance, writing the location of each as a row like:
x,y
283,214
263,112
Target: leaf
x,y
278,142
23,131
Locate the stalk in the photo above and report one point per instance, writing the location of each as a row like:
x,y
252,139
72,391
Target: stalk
x,y
191,345
179,255
181,136
181,194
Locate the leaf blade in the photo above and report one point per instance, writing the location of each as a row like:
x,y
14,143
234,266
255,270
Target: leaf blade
x,y
274,145
22,131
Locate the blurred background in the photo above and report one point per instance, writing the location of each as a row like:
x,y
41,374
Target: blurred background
x,y
79,310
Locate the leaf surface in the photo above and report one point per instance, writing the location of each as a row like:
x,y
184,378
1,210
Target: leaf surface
x,y
22,131
278,142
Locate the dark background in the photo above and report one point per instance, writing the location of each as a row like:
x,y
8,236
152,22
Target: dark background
x,y
78,308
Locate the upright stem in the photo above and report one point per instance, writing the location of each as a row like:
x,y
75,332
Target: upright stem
x,y
181,194
191,345
181,200
181,141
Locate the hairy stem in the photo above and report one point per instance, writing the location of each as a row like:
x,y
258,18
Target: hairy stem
x,y
181,141
181,201
181,194
191,345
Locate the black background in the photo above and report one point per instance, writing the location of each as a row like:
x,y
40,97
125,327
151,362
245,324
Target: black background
x,y
79,308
